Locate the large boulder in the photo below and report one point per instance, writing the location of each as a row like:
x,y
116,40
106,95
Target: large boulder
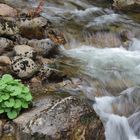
x,y
59,117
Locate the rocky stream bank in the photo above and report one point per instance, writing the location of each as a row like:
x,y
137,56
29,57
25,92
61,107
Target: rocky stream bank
x,y
29,50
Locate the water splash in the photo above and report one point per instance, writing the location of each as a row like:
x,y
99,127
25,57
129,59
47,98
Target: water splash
x,y
116,127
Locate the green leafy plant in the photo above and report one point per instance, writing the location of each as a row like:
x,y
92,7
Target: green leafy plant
x,y
13,96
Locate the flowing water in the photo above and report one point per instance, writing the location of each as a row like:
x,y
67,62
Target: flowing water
x,y
110,65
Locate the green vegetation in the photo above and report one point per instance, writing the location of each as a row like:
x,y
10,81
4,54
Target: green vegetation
x,y
13,96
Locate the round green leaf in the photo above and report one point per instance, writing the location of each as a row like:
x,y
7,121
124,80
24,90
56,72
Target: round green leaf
x,y
2,86
1,111
7,78
12,114
1,100
10,103
5,96
17,103
25,90
28,97
7,109
24,104
15,93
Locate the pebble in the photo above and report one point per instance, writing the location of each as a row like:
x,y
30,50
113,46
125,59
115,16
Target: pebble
x,y
5,60
25,51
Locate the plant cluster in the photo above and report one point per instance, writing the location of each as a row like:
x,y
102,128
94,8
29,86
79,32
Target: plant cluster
x,y
13,96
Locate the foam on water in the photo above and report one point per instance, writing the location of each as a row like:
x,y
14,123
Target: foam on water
x,y
110,63
135,45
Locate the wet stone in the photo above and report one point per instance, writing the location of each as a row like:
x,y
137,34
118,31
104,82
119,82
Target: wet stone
x,y
56,36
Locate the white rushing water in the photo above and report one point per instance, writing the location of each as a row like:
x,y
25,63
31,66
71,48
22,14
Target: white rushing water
x,y
116,127
111,65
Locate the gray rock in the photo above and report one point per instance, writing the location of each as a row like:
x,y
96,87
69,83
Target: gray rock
x,y
122,4
33,28
23,67
6,43
45,47
33,23
25,51
8,27
57,118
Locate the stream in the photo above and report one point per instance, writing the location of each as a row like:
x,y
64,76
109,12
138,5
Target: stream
x,y
111,67
106,61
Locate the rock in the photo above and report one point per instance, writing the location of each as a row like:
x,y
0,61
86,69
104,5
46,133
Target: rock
x,y
6,43
15,3
57,118
4,69
46,61
23,67
1,128
126,35
20,40
35,80
1,51
8,128
25,51
5,60
8,27
44,47
33,28
56,36
37,22
126,5
6,10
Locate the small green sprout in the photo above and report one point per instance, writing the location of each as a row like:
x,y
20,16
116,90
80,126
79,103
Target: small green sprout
x,y
13,96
